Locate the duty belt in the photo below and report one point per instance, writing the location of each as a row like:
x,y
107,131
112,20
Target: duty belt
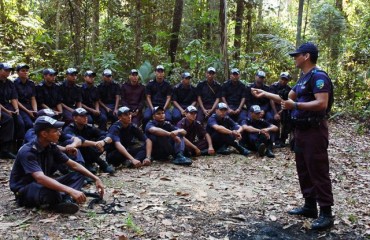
x,y
306,123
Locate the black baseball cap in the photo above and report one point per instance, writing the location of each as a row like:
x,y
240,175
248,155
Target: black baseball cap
x,y
20,66
90,73
45,122
307,47
157,109
134,71
49,71
123,110
285,75
191,108
46,112
6,66
255,109
71,71
186,75
79,112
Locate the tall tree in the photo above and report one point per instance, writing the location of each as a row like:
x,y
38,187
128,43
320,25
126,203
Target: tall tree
x,y
249,6
176,25
299,23
238,27
95,29
223,35
138,30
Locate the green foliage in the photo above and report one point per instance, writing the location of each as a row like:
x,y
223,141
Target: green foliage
x,y
130,224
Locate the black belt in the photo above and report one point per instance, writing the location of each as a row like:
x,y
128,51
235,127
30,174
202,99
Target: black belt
x,y
306,123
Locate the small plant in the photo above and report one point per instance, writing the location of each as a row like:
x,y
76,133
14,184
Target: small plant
x,y
91,214
352,218
130,224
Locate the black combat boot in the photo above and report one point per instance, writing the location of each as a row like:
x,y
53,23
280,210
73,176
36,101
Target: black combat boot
x,y
242,150
224,150
308,210
261,148
269,152
325,220
180,159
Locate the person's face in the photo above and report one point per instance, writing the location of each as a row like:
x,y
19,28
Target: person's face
x,y
234,77
210,75
221,112
80,120
89,79
4,73
51,135
107,78
186,81
283,81
134,78
71,77
260,80
256,116
23,73
49,78
300,59
191,116
159,116
125,118
159,74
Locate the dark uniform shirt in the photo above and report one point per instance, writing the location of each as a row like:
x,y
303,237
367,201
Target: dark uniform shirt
x,y
184,96
259,124
129,136
227,122
264,103
7,92
25,91
33,158
88,132
309,84
194,131
108,92
70,93
133,96
90,95
209,92
158,92
163,125
233,92
280,90
48,95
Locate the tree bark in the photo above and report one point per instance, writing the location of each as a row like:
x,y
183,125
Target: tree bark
x,y
238,27
249,26
223,31
339,5
57,25
299,23
75,16
306,19
176,25
138,33
95,29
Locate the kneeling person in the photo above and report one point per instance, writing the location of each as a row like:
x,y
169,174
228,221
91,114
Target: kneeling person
x,y
31,176
167,139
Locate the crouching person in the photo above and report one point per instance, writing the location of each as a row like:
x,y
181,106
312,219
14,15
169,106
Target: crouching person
x,y
224,131
258,134
167,139
31,176
130,146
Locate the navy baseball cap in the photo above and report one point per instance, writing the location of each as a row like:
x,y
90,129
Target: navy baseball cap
x,y
49,71
191,108
71,71
235,70
46,112
134,71
157,109
307,47
261,74
211,69
159,67
79,112
123,110
255,109
20,66
221,105
45,122
285,75
107,72
186,75
6,66
90,73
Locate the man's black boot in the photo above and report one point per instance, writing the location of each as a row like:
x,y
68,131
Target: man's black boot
x,y
180,159
261,148
242,150
67,206
308,210
325,220
224,150
269,152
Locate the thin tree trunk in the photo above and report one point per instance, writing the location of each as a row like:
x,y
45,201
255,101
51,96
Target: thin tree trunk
x,y
75,15
238,27
249,26
260,5
306,20
57,25
138,33
176,25
223,30
299,23
95,30
339,5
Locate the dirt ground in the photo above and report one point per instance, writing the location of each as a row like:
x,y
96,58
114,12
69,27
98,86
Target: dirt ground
x,y
222,197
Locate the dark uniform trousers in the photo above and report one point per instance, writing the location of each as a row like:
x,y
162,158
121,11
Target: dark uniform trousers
x,y
200,116
201,145
116,158
105,116
6,131
19,128
36,195
163,147
253,140
311,145
92,155
238,117
220,139
28,121
176,114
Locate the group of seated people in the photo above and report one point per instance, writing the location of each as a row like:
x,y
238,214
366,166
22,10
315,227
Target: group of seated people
x,y
205,120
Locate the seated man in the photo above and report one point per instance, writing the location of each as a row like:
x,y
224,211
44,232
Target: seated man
x,y
6,135
260,133
93,141
31,176
224,131
197,140
130,146
167,139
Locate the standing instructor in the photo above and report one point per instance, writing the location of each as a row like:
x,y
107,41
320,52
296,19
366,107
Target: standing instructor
x,y
310,99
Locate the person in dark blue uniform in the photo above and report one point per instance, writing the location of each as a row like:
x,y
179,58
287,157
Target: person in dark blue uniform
x,y
233,95
130,146
209,93
26,96
197,140
224,131
258,134
47,92
264,103
6,135
310,99
109,97
9,100
133,96
71,94
166,139
31,176
281,117
184,95
93,140
90,100
158,93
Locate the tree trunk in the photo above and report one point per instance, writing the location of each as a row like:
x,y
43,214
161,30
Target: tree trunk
x,y
249,26
238,28
339,5
299,23
306,20
95,30
138,33
57,25
223,31
2,12
75,16
176,25
260,5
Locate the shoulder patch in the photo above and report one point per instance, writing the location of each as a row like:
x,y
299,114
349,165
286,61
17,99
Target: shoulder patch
x,y
320,83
